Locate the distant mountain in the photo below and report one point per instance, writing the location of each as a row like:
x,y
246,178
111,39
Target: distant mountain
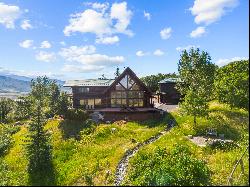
x,y
18,77
10,83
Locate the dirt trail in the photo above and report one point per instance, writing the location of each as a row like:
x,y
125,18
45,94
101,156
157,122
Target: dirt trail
x,y
123,164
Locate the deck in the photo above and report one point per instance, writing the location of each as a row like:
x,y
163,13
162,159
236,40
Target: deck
x,y
126,110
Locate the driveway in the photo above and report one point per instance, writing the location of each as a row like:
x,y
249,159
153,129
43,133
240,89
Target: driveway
x,y
167,108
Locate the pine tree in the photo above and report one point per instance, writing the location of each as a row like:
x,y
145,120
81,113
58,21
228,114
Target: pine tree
x,y
40,166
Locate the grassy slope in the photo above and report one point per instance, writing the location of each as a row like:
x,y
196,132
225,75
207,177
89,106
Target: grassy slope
x,y
81,161
232,122
85,161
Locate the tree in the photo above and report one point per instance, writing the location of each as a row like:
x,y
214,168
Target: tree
x,y
6,106
232,84
117,72
54,96
63,103
196,73
152,81
39,150
22,108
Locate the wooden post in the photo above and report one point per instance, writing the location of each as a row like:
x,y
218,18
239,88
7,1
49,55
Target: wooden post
x,y
242,165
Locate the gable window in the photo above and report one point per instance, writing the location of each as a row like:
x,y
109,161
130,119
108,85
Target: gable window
x,y
127,93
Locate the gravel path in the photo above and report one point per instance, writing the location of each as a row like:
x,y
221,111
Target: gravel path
x,y
123,164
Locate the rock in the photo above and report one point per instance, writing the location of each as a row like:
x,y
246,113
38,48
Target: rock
x,y
113,130
107,122
190,136
18,123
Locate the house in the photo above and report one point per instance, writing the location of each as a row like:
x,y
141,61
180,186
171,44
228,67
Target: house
x,y
124,97
168,93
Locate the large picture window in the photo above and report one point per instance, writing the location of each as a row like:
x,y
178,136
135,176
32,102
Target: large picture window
x,y
127,93
91,102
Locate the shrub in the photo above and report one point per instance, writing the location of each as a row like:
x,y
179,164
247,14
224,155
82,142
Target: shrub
x,y
5,137
178,167
76,114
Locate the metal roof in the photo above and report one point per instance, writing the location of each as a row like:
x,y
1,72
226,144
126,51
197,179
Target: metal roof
x,y
89,82
169,80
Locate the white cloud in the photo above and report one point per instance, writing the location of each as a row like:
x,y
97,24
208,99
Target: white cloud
x,y
87,56
209,11
222,62
166,33
45,56
45,44
158,52
107,40
122,15
198,32
81,68
140,53
75,51
147,15
102,23
88,21
25,25
9,14
187,47
26,43
100,6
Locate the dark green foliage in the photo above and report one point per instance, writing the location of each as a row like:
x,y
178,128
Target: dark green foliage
x,y
54,97
63,103
6,106
152,81
5,137
196,73
176,168
40,167
76,114
5,141
23,108
4,174
117,72
73,128
232,84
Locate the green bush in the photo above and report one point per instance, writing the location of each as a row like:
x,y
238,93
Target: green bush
x,y
76,114
178,167
5,137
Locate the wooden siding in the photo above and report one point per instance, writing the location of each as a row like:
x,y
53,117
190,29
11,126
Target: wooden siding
x,y
168,93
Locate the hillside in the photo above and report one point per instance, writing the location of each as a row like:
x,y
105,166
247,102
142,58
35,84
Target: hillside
x,y
13,84
90,157
8,84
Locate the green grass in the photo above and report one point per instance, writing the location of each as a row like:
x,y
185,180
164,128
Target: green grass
x,y
79,159
231,122
91,159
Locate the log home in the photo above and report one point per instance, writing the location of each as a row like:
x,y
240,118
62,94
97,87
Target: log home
x,y
125,94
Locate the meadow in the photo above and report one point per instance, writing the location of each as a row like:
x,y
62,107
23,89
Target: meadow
x,y
89,155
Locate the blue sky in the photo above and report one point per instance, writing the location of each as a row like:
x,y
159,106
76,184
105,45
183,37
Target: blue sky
x,y
85,39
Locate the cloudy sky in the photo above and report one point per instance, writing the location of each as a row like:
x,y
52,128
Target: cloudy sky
x,y
68,39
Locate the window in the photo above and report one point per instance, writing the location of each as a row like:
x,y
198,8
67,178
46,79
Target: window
x,y
83,102
127,93
94,101
83,90
98,101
